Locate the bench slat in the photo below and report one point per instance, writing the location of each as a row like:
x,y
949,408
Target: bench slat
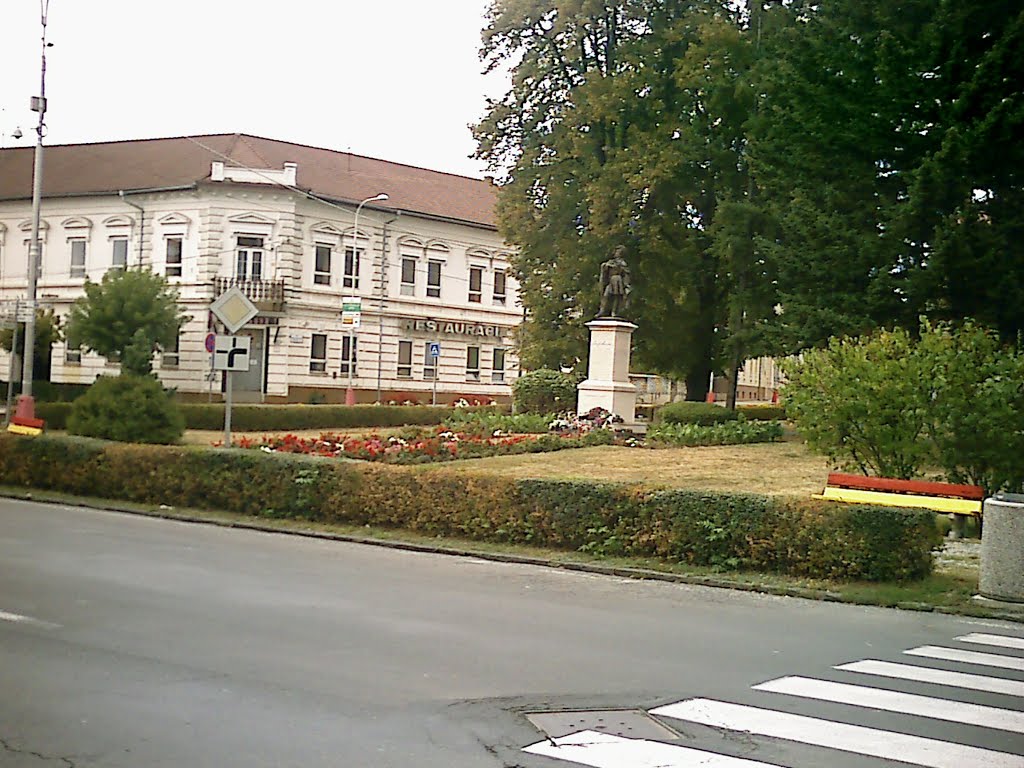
x,y
937,503
920,487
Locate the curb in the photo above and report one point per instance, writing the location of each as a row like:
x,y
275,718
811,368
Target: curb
x,y
639,574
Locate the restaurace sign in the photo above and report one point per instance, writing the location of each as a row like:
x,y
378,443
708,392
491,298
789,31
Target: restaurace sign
x,y
455,328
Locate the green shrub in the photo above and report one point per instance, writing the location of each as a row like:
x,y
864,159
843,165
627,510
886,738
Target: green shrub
x,y
54,414
726,433
277,418
127,408
544,391
50,392
688,412
485,422
762,412
814,539
863,403
891,404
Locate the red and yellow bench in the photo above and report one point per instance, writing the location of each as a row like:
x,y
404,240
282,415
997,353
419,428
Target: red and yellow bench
x,y
960,500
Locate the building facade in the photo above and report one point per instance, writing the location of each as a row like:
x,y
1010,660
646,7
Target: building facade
x,y
297,230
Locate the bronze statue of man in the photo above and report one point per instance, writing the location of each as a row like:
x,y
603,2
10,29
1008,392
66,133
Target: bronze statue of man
x,y
615,285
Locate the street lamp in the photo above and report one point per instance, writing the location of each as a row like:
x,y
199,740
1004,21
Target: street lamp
x,y
26,404
350,393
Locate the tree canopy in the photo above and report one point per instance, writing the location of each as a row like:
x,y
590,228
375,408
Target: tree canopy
x,y
126,316
779,175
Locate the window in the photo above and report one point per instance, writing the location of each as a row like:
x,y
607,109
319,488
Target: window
x,y
434,279
77,257
171,355
318,354
429,363
349,350
350,278
119,252
476,279
405,359
408,276
499,286
472,363
322,265
72,356
498,366
249,261
174,257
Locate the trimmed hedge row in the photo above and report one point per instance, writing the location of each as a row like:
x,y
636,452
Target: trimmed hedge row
x,y
257,418
729,531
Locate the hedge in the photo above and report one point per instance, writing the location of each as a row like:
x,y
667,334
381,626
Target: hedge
x,y
728,531
258,418
689,412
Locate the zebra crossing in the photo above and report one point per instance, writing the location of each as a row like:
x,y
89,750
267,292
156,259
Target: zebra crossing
x,y
989,666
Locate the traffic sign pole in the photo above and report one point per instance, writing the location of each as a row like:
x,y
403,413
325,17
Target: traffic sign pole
x,y
435,352
227,407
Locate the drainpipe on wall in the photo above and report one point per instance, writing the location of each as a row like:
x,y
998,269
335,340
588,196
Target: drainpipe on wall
x,y
380,305
142,220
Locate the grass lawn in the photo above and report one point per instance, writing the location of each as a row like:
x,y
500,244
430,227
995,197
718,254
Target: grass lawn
x,y
774,469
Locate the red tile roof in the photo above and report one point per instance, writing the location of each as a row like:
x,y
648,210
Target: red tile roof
x,y
82,169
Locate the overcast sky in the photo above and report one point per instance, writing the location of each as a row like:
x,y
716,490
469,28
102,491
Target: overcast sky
x,y
392,79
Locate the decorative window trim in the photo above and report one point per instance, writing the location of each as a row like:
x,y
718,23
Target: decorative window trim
x,y
119,221
77,223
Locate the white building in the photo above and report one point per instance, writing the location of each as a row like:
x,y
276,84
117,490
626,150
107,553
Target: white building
x,y
278,221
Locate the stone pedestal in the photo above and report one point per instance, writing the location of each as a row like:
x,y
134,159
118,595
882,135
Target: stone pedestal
x,y
607,385
1002,548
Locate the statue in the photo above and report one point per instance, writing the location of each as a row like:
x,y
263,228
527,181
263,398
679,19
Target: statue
x,y
615,286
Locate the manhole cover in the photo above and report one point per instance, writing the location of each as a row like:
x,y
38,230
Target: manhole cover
x,y
627,723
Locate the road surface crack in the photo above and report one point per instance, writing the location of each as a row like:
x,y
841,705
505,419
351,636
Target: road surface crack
x,y
7,747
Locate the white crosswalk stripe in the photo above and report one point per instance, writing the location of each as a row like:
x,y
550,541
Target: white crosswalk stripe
x,y
892,701
873,742
968,657
1001,641
602,750
936,676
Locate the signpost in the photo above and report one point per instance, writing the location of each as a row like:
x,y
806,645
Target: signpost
x,y
435,353
231,353
351,310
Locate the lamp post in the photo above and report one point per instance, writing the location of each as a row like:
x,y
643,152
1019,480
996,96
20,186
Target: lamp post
x,y
350,393
26,404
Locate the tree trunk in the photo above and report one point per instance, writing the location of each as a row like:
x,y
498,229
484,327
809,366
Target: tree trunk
x,y
697,384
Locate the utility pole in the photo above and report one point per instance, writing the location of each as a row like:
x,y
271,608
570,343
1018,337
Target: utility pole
x,y
26,404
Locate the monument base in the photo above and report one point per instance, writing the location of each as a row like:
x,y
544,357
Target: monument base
x,y
607,385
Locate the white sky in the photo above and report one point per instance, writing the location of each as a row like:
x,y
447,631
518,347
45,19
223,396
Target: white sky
x,y
393,79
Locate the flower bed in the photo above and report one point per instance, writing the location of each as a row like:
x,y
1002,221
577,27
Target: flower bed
x,y
423,446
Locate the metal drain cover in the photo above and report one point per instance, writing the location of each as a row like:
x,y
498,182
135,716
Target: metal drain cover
x,y
627,723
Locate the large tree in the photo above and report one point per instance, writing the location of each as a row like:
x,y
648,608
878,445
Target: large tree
x,y
126,316
624,125
888,158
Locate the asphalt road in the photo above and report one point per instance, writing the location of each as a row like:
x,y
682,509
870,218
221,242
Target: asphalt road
x,y
128,641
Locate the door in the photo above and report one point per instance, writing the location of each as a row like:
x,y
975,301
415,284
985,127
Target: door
x,y
248,385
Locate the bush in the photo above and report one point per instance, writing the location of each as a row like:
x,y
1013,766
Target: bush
x,y
890,404
485,422
688,412
544,391
127,408
863,403
762,412
726,531
726,433
258,418
54,414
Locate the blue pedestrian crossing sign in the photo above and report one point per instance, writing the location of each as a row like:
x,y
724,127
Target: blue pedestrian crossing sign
x,y
435,349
